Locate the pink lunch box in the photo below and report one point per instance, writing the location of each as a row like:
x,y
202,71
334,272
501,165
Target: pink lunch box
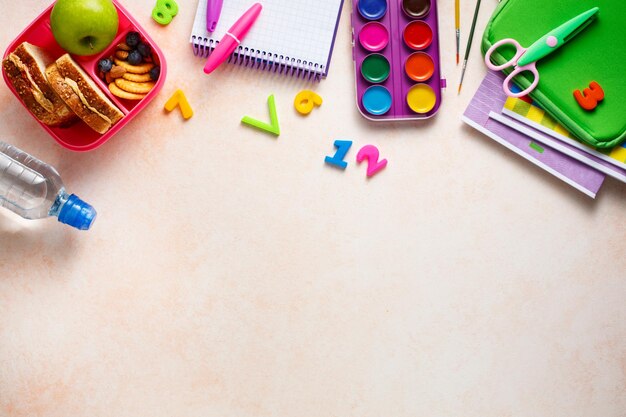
x,y
79,137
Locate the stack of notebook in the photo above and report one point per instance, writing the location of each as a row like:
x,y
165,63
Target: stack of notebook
x,y
523,127
578,144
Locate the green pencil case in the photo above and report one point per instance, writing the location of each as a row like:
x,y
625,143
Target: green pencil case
x,y
598,53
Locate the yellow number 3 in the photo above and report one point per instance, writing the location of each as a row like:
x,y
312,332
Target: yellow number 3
x,y
164,11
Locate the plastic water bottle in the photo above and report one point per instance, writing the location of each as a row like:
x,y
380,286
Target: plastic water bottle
x,y
34,190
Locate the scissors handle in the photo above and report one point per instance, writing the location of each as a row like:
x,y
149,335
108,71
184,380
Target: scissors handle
x,y
510,63
517,71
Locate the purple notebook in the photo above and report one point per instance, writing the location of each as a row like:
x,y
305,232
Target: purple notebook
x,y
582,153
491,98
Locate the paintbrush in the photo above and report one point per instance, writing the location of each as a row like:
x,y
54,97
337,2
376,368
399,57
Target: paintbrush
x,y
469,44
457,25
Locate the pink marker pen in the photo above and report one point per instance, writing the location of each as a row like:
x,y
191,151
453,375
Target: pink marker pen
x,y
233,38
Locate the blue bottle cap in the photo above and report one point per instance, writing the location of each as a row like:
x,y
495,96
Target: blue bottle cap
x,y
76,213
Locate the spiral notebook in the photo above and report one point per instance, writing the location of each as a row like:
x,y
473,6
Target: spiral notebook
x,y
291,37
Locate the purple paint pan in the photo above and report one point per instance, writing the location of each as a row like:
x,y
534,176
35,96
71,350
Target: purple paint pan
x,y
396,49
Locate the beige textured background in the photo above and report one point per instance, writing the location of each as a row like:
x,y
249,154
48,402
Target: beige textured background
x,y
233,274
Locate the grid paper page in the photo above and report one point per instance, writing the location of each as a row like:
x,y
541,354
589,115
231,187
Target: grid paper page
x,y
298,29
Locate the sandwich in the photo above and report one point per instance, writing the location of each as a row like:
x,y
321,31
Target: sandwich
x,y
82,95
25,69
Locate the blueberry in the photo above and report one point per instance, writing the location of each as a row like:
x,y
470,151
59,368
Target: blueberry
x,y
144,49
132,39
154,73
134,58
105,65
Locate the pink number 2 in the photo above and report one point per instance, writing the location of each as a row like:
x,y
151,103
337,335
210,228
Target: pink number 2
x,y
370,152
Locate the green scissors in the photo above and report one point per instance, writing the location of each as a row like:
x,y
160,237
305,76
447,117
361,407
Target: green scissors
x,y
525,58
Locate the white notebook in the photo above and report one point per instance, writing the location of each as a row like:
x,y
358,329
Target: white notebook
x,y
293,37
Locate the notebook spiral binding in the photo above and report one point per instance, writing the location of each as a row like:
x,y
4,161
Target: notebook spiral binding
x,y
262,60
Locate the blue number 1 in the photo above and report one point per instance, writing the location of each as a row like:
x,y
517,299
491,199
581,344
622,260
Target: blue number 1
x,y
343,146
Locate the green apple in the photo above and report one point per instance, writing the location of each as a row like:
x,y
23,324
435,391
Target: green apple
x,y
84,27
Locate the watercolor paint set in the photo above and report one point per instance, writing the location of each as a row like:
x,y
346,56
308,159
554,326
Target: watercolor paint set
x,y
395,47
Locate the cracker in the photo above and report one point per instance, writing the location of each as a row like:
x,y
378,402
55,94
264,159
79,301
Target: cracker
x,y
134,87
118,92
138,78
135,69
